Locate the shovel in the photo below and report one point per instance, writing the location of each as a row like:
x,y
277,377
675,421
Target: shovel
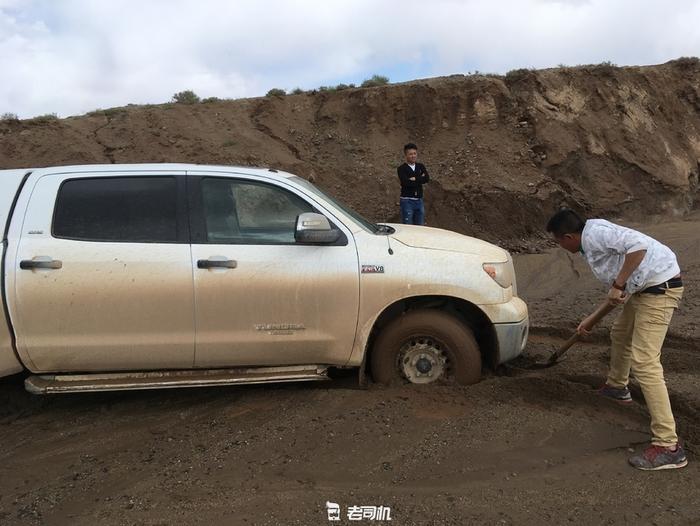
x,y
598,315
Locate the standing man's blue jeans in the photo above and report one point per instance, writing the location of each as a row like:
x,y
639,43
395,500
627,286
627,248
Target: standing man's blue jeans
x,y
412,211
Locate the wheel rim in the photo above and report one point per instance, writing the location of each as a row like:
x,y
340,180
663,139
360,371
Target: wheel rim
x,y
423,360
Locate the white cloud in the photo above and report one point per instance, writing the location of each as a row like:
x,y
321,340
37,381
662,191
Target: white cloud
x,y
73,56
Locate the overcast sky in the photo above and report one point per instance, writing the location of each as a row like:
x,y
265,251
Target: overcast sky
x,y
73,56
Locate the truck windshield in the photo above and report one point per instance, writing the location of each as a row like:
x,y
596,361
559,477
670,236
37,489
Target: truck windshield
x,y
368,225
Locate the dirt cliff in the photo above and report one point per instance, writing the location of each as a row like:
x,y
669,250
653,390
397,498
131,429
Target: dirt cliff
x,y
503,151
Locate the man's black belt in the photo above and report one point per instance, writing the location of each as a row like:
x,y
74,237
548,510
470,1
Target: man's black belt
x,y
661,288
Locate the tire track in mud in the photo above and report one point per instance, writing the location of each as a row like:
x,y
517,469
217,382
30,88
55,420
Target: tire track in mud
x,y
679,353
677,359
564,390
145,456
685,410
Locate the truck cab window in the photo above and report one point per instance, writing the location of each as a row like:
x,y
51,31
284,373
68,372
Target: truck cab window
x,y
243,212
117,209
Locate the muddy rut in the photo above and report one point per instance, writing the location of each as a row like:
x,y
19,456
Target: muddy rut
x,y
516,448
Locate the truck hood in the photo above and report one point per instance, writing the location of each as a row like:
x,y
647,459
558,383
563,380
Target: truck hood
x,y
439,239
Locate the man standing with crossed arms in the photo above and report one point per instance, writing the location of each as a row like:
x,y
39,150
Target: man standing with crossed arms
x,y
412,176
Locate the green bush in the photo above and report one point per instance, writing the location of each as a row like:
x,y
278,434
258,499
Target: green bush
x,y
686,62
186,97
109,112
297,91
340,87
604,68
376,80
518,73
276,92
210,100
9,117
43,119
113,112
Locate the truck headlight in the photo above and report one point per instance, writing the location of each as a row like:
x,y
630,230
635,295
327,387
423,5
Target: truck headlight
x,y
501,273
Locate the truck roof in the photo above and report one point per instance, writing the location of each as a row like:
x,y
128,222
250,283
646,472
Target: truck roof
x,y
149,166
11,179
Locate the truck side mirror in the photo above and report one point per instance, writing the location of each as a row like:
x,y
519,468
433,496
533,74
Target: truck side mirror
x,y
315,229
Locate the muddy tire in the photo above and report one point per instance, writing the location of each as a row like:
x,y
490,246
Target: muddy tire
x,y
426,346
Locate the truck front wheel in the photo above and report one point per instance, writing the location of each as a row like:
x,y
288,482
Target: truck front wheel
x,y
426,346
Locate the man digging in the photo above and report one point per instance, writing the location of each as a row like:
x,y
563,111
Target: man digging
x,y
644,276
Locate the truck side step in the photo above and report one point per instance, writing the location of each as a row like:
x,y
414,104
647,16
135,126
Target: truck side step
x,y
72,383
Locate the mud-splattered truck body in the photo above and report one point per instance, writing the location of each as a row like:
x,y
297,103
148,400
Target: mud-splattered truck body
x,y
169,275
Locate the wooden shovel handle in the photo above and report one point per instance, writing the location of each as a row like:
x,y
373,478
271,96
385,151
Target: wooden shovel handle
x,y
564,347
603,310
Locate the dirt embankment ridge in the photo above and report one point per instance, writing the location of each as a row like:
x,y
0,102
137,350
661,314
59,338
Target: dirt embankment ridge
x,y
503,151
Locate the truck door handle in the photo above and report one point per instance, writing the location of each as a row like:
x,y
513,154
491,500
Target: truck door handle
x,y
40,262
216,263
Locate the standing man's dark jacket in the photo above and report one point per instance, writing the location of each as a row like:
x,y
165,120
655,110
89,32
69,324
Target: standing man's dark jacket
x,y
412,189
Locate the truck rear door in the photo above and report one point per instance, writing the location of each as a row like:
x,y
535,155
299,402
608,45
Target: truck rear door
x,y
11,184
103,274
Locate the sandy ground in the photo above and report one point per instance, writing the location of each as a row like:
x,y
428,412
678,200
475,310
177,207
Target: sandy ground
x,y
521,447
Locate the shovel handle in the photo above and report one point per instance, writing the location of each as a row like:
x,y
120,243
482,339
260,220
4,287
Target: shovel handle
x,y
564,347
603,310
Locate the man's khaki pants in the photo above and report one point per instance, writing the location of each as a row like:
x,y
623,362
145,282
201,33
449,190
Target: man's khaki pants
x,y
637,336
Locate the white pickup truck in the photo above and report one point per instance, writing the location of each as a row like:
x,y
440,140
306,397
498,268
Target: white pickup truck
x,y
175,275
